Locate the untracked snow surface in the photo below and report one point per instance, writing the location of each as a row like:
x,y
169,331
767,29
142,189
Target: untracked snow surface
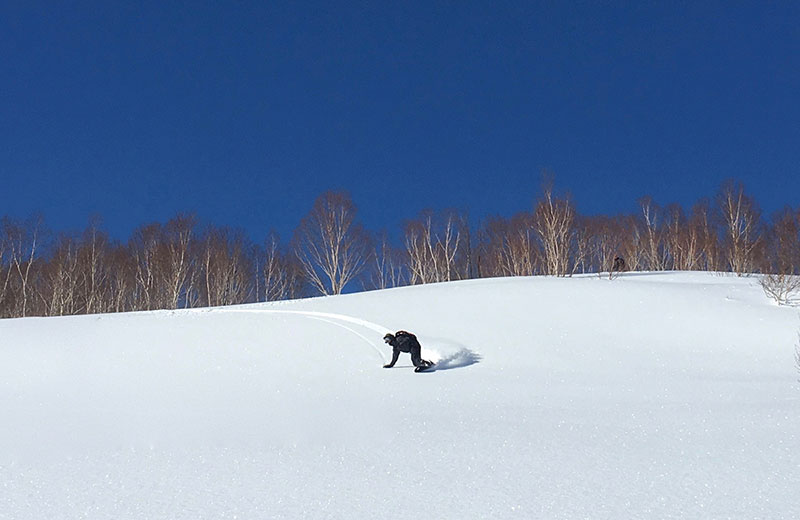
x,y
649,396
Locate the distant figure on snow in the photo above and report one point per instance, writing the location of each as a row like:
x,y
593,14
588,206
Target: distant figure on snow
x,y
618,267
403,341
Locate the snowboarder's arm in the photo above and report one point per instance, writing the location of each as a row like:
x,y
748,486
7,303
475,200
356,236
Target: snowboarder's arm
x,y
395,355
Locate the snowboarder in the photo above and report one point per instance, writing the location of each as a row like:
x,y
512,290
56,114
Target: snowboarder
x,y
403,341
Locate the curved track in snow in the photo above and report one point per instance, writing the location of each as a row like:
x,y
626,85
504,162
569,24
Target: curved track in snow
x,y
328,317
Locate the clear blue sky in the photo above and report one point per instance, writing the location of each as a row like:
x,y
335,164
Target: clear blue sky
x,y
245,111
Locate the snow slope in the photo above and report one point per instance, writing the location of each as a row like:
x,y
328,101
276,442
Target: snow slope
x,y
651,396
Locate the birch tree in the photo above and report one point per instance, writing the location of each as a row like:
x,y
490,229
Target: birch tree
x,y
781,279
145,253
58,284
227,268
510,247
331,246
6,293
740,217
683,239
553,222
23,241
388,269
93,269
279,272
654,255
176,270
434,244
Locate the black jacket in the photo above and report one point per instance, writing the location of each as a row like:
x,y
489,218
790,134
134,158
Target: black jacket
x,y
404,341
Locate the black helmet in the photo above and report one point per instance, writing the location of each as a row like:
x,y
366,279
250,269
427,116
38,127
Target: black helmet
x,y
389,337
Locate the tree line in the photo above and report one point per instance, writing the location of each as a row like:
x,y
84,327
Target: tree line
x,y
181,264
